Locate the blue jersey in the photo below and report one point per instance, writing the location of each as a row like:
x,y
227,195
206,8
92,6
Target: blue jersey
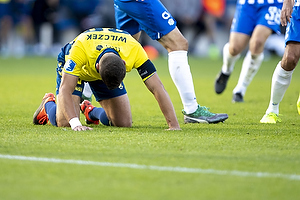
x,y
293,28
149,16
260,2
250,13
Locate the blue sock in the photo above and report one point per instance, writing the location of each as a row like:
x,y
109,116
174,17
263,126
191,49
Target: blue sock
x,y
99,113
50,108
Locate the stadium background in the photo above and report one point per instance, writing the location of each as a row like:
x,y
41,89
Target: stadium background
x,y
41,27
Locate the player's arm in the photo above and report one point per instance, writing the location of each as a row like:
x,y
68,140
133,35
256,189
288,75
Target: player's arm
x,y
66,102
286,12
155,86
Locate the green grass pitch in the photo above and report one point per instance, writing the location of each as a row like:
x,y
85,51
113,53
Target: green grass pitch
x,y
238,159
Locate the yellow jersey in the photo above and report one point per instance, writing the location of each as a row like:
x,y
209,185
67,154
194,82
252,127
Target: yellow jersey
x,y
87,47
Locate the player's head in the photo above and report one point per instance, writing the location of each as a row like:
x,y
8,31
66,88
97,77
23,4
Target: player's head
x,y
112,70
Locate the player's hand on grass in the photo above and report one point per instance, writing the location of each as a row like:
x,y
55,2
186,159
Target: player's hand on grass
x,y
82,128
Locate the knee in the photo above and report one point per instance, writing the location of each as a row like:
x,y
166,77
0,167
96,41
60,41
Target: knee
x,y
184,44
62,122
127,123
177,43
256,46
234,50
59,124
289,61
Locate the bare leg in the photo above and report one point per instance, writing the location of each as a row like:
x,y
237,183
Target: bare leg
x,y
118,110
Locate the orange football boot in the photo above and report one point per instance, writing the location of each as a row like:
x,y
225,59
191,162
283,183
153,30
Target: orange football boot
x,y
86,107
40,116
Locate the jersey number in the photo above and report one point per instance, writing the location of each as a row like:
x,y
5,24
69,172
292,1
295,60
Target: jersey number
x,y
273,15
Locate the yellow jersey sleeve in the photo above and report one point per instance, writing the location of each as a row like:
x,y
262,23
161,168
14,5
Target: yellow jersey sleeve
x,y
76,59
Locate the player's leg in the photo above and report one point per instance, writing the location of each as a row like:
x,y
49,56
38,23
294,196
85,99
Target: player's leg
x,y
231,53
267,21
137,36
252,61
158,23
177,46
180,72
49,111
115,106
283,74
53,112
40,116
114,112
174,41
179,68
241,29
118,111
281,80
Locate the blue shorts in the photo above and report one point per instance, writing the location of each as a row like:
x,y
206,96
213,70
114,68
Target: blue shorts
x,y
149,16
293,28
101,92
247,17
98,87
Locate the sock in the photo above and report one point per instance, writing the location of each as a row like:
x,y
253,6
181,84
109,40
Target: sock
x,y
99,113
250,67
181,75
280,82
228,60
50,108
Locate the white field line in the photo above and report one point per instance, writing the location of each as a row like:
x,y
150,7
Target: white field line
x,y
158,168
